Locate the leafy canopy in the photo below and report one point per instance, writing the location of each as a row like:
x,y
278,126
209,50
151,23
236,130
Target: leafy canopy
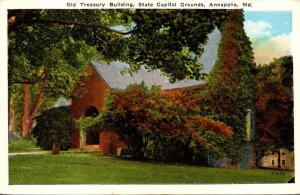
x,y
171,40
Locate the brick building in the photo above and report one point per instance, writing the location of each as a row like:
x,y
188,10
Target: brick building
x,y
89,101
104,77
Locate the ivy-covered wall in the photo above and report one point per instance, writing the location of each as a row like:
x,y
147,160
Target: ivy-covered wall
x,y
230,88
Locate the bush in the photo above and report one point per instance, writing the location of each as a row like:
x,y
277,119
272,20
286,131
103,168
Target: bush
x,y
167,149
53,126
178,150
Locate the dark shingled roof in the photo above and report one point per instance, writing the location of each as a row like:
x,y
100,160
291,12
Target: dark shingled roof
x,y
111,72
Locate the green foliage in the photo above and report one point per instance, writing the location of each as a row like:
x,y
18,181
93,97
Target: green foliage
x,y
53,126
171,40
60,62
274,116
16,99
178,150
229,89
186,150
46,57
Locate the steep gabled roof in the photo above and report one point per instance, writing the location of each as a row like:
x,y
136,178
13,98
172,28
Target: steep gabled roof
x,y
111,72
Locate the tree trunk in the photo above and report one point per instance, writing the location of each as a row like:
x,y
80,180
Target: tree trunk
x,y
28,114
11,119
279,159
40,95
26,118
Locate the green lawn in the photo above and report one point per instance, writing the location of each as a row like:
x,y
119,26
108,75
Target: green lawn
x,y
86,168
22,146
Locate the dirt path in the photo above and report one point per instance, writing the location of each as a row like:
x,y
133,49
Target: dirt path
x,y
26,153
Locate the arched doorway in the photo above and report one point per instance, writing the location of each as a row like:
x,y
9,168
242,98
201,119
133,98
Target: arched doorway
x,y
92,135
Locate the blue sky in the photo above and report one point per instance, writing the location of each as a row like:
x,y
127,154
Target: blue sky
x,y
270,33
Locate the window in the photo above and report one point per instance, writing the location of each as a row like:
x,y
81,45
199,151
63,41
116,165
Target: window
x,y
283,162
283,153
272,162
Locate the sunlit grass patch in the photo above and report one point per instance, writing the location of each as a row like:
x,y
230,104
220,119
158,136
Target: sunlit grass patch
x,y
22,146
85,168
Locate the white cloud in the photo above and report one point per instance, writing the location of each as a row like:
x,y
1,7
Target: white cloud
x,y
273,47
258,29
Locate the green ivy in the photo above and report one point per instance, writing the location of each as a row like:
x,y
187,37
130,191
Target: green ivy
x,y
230,87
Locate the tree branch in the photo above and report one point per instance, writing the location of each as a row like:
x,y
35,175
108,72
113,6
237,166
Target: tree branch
x,y
40,95
20,82
63,22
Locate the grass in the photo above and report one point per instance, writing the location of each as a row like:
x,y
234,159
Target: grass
x,y
22,146
86,168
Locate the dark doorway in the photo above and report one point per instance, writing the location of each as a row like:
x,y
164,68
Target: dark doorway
x,y
92,135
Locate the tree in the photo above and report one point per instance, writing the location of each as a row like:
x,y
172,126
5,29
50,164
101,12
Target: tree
x,y
171,40
44,59
146,37
52,71
274,118
48,49
138,114
229,89
53,127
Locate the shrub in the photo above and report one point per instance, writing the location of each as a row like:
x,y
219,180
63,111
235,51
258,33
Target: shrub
x,y
53,126
185,150
167,149
139,114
